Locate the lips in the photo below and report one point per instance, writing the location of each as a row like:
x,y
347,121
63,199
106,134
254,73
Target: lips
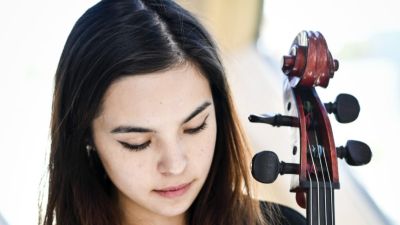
x,y
173,191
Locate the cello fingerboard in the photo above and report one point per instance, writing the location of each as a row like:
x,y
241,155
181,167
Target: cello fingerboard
x,y
320,209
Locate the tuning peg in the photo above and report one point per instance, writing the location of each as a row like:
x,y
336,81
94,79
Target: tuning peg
x,y
356,153
345,108
265,167
276,120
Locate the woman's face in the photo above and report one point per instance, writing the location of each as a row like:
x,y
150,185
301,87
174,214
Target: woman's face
x,y
156,137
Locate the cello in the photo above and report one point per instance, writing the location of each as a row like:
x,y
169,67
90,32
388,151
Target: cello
x,y
315,170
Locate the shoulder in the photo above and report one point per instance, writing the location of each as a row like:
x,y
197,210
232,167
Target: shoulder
x,y
286,215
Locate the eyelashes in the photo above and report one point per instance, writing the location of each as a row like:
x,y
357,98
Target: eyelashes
x,y
135,147
197,129
192,131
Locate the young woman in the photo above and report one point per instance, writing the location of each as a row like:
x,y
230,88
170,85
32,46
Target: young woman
x,y
143,127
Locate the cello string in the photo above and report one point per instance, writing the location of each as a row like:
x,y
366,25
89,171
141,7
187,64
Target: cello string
x,y
316,177
330,186
311,201
319,147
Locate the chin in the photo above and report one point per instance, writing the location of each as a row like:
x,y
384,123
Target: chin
x,y
172,210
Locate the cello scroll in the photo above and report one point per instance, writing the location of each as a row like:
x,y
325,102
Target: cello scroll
x,y
309,65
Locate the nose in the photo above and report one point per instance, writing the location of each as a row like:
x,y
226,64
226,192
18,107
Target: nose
x,y
173,160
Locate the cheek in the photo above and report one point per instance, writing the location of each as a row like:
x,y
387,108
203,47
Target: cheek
x,y
204,147
124,169
115,159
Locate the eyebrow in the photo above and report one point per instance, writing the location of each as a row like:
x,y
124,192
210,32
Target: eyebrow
x,y
132,129
198,110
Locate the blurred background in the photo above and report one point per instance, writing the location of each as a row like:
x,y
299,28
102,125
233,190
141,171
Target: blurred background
x,y
253,35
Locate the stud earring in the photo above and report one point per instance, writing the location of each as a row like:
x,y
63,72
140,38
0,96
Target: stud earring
x,y
89,149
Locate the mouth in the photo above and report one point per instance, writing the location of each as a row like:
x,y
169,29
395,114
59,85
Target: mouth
x,y
174,191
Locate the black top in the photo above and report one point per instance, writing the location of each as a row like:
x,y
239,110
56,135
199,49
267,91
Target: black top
x,y
288,215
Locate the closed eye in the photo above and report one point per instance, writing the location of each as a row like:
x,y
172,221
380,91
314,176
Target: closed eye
x,y
197,129
133,147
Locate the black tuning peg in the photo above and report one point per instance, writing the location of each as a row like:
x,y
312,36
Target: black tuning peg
x,y
345,108
276,120
265,167
356,153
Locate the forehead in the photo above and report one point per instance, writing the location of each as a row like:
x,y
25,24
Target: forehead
x,y
171,94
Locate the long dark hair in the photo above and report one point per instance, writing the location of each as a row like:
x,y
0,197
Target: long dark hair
x,y
117,38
